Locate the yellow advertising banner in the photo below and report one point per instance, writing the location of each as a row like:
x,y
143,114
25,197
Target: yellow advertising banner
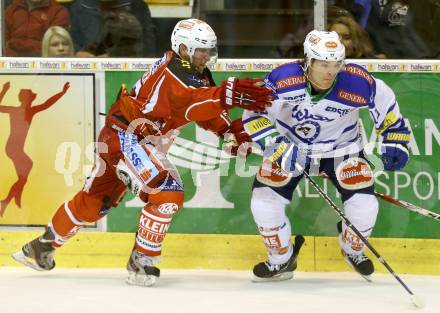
x,y
46,143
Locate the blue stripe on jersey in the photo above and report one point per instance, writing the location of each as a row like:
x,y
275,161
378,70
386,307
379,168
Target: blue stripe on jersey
x,y
345,142
392,107
349,128
354,139
399,123
251,119
399,120
326,141
266,130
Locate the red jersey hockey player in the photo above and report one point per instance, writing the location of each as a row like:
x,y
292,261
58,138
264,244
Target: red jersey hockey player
x,y
133,144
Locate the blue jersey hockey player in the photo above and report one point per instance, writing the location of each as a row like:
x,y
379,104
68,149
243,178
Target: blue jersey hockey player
x,y
313,125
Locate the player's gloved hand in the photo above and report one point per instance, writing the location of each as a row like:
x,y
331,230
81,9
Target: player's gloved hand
x,y
246,93
394,148
238,140
287,155
394,156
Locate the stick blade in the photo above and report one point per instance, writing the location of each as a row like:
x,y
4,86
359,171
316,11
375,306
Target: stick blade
x,y
417,301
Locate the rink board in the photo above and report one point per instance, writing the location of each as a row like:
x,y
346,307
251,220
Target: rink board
x,y
234,252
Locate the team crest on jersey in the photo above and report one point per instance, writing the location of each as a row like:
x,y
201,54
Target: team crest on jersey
x,y
308,130
354,173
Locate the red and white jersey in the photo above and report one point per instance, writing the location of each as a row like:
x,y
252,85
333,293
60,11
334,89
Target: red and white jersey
x,y
171,95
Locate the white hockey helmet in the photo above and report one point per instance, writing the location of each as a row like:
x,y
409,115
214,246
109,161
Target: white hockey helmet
x,y
194,33
323,45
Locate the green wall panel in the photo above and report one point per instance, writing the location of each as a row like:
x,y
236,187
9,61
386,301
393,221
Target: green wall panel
x,y
228,197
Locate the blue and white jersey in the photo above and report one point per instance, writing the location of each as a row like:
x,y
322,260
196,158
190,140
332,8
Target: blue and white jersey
x,y
325,124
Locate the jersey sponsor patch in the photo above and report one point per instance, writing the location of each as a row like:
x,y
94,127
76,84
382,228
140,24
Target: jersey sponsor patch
x,y
291,81
339,111
272,175
168,208
137,158
354,173
349,237
272,242
257,126
294,99
352,97
171,184
360,73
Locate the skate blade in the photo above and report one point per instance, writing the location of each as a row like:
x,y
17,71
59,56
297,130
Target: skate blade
x,y
134,279
20,257
280,277
366,277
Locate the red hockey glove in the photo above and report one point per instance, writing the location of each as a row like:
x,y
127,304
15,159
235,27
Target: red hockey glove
x,y
246,93
239,142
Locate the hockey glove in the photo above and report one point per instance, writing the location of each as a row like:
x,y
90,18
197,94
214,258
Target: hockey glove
x,y
394,149
286,155
238,140
246,93
394,156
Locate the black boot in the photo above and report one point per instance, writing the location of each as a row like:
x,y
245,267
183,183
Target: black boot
x,y
359,262
37,254
141,269
266,271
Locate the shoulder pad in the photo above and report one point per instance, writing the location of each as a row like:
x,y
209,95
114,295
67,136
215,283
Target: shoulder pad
x,y
287,77
186,73
359,71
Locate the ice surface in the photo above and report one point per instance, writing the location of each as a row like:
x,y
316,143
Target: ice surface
x,y
23,290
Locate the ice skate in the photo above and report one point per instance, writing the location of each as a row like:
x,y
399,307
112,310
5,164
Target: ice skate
x,y
360,263
37,254
141,269
266,271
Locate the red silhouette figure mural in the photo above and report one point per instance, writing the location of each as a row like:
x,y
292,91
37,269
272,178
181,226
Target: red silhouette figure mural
x,y
20,120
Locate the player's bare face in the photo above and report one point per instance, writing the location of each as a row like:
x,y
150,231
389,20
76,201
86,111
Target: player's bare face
x,y
201,57
58,47
322,74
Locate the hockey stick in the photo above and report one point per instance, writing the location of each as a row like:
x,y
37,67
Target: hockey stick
x,y
414,299
408,206
403,204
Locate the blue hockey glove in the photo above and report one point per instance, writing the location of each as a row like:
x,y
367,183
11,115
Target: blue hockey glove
x,y
394,156
394,148
286,155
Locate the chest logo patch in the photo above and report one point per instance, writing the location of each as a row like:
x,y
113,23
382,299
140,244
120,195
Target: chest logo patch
x,y
308,130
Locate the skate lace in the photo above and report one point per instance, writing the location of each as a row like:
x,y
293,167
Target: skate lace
x,y
145,260
358,258
273,267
